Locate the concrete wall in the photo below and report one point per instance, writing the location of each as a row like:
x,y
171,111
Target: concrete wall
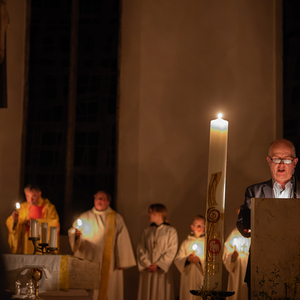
x,y
11,118
181,63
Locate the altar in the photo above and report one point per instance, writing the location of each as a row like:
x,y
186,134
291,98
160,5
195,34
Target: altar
x,y
64,276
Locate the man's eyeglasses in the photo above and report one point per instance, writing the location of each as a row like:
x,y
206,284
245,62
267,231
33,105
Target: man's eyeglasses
x,y
286,161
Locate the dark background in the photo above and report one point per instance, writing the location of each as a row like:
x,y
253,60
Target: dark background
x,y
96,97
96,100
291,73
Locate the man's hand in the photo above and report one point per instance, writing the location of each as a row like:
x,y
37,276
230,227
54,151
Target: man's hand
x,y
77,233
152,268
15,216
27,224
234,256
193,258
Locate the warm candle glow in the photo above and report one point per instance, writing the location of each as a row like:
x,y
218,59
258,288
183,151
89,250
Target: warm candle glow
x,y
79,224
220,115
198,249
85,227
18,205
241,244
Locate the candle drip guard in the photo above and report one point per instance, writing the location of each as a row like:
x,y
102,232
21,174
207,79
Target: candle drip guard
x,y
42,247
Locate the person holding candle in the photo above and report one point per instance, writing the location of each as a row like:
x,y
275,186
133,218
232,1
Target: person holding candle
x,y
18,223
155,254
235,258
282,161
190,259
100,235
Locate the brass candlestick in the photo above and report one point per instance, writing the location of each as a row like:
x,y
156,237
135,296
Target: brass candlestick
x,y
37,274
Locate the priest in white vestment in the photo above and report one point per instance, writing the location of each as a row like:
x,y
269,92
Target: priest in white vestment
x,y
190,260
155,254
100,235
235,259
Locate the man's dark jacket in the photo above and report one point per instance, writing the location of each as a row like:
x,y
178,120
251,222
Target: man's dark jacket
x,y
259,190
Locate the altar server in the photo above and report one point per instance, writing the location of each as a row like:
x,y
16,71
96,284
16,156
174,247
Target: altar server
x,y
155,254
101,235
235,259
18,223
190,259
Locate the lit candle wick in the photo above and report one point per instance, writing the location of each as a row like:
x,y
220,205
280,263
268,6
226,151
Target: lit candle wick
x,y
79,224
194,248
18,205
220,115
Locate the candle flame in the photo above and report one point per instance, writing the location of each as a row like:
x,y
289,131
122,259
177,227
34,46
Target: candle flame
x,y
86,227
198,248
220,115
241,244
18,205
79,224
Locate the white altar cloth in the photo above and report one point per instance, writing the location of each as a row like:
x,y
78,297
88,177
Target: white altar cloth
x,y
76,274
18,266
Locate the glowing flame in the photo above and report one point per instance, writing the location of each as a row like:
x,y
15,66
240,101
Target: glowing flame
x,y
85,227
198,248
241,244
220,115
79,224
18,205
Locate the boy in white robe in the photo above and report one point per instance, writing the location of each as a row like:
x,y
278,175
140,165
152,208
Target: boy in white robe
x,y
190,260
235,259
155,255
87,240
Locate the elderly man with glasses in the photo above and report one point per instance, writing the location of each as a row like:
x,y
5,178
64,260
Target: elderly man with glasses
x,y
282,161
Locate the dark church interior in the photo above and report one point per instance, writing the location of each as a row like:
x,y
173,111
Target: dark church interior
x,y
71,112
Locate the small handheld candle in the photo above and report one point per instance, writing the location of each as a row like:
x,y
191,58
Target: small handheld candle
x,y
18,206
79,224
194,248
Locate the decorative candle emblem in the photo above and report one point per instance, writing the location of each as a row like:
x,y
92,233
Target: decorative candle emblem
x,y
215,203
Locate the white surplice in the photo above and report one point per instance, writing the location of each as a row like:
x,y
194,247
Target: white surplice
x,y
90,245
157,246
191,273
237,269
